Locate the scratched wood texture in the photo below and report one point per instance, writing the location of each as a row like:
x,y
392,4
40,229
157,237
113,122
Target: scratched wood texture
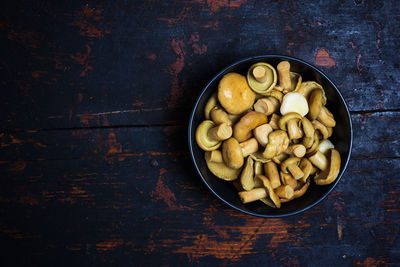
x,y
94,164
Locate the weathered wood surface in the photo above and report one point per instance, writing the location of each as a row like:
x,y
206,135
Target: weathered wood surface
x,y
94,164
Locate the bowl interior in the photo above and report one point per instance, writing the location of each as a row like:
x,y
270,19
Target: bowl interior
x,y
342,139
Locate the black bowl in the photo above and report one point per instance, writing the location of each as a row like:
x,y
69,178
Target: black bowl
x,y
342,138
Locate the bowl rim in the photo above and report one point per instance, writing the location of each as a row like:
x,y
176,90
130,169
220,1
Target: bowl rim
x,y
217,76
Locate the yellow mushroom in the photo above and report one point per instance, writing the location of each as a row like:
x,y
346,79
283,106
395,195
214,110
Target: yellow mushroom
x,y
325,145
319,160
232,153
252,195
218,168
284,191
278,142
288,81
306,168
261,133
326,117
271,193
267,105
321,128
249,146
281,157
298,192
315,145
219,116
242,129
210,105
234,94
247,175
261,77
308,130
287,179
306,88
209,136
331,173
271,171
297,150
315,104
276,94
274,121
292,165
290,122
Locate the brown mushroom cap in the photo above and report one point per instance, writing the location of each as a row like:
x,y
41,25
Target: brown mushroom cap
x,y
219,169
234,94
232,153
203,138
242,129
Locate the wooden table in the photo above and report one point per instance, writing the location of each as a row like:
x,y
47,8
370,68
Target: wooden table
x,y
95,169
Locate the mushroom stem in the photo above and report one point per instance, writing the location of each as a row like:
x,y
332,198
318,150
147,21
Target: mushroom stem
x,y
261,133
295,171
293,129
319,160
220,132
214,156
298,150
219,116
249,146
306,167
274,121
284,191
287,179
284,75
267,105
260,74
271,171
252,195
315,103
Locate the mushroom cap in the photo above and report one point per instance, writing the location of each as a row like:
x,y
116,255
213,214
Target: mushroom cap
x,y
212,102
331,173
270,78
202,137
220,170
294,102
234,94
306,88
232,153
242,129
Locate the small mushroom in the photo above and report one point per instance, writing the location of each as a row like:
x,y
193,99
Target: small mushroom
x,y
219,116
209,136
284,191
274,121
232,153
306,88
276,94
287,179
271,171
290,122
321,128
234,94
261,133
325,145
306,168
331,173
257,156
246,177
292,165
326,117
280,158
252,195
297,150
319,160
261,77
242,129
219,169
298,192
315,144
315,104
248,147
270,190
267,105
278,142
210,105
294,102
267,201
330,131
308,130
258,169
284,75
214,156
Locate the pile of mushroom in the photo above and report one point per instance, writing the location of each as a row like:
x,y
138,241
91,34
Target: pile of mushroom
x,y
269,134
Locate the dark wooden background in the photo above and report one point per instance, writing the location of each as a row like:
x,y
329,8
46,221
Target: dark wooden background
x,y
95,101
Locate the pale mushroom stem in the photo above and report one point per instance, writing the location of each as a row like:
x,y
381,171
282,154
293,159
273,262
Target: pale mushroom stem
x,y
298,150
284,191
296,172
249,146
260,74
252,195
220,132
271,171
293,129
319,160
284,75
